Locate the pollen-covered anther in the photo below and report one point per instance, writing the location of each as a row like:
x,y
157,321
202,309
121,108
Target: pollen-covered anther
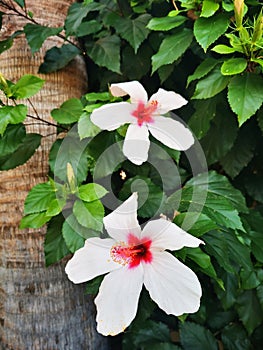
x,y
119,254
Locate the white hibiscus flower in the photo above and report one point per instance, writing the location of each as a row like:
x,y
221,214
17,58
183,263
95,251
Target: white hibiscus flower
x,y
132,258
144,116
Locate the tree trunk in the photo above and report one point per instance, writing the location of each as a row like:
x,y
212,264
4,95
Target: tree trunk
x,y
39,308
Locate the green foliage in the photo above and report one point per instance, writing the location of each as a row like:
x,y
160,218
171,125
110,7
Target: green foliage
x,y
171,48
194,336
105,52
69,112
37,34
245,95
208,30
11,115
212,55
58,57
27,86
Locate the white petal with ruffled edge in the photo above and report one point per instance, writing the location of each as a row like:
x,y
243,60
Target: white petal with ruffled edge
x,y
134,89
171,133
167,101
91,261
110,117
136,144
172,285
167,235
118,298
123,220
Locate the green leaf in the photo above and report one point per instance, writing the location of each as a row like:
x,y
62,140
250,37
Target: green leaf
x,y
150,196
11,115
203,69
133,30
152,331
255,220
105,143
79,229
6,45
55,206
27,86
105,52
76,13
35,220
245,95
72,151
58,57
196,337
165,23
205,111
21,3
216,207
39,198
171,48
233,66
37,34
88,27
248,304
209,8
198,223
241,153
208,30
227,249
21,155
199,257
211,84
218,184
86,128
72,239
69,112
92,287
223,49
98,96
55,246
89,215
91,192
11,139
234,337
135,66
217,150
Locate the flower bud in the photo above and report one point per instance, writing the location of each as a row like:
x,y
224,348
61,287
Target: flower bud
x,y
258,29
239,12
71,178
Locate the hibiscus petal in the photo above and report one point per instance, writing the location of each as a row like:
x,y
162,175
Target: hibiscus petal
x,y
172,285
123,220
171,133
168,100
167,235
132,88
118,298
111,116
91,261
136,144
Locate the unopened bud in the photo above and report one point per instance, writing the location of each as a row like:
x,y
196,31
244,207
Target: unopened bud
x,y
71,178
258,29
4,86
239,12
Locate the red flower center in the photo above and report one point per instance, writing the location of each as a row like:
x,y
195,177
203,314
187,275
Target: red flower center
x,y
133,252
143,113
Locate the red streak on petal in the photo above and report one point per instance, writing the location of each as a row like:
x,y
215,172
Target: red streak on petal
x,y
143,113
133,252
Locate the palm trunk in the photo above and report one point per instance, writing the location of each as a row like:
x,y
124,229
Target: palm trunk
x,y
39,308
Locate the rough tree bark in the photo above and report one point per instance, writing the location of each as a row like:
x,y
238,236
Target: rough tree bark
x,y
39,308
